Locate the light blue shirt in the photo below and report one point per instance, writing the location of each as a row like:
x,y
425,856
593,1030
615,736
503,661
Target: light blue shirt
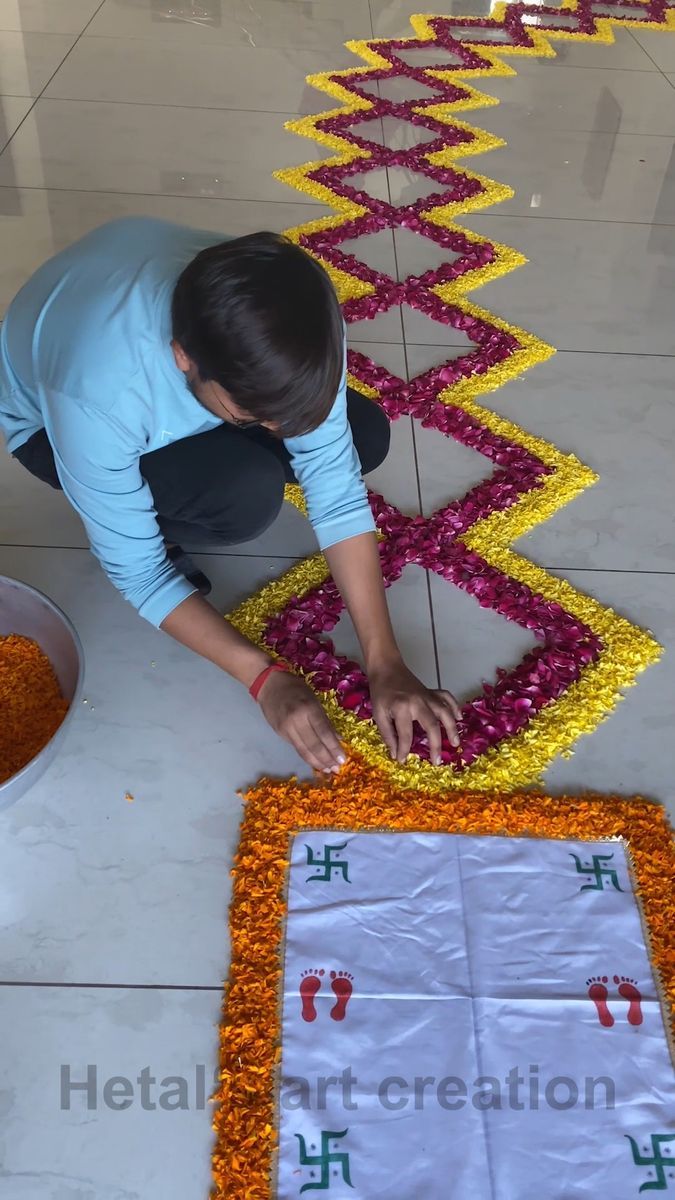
x,y
85,353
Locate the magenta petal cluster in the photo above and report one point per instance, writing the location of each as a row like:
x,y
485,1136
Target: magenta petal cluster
x,y
562,646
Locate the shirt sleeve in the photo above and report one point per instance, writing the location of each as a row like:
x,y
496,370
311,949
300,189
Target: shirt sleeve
x,y
327,468
100,474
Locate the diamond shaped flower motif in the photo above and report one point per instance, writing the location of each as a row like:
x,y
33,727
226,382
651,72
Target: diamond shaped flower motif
x,y
511,729
584,653
499,711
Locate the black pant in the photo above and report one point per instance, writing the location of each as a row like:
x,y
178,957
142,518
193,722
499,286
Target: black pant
x,y
227,485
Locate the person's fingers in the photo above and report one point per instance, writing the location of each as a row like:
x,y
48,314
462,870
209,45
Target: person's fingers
x,y
428,718
404,731
448,723
294,737
450,700
328,741
447,720
386,727
305,725
320,753
309,747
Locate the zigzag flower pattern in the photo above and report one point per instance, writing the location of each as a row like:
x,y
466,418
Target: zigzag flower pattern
x,y
585,654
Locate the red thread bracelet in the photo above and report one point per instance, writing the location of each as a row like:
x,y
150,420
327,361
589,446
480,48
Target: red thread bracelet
x,y
264,675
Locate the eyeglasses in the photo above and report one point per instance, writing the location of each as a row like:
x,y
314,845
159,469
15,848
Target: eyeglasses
x,y
240,422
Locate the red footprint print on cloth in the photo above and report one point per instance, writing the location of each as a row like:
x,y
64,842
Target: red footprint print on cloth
x,y
597,991
342,985
629,990
309,986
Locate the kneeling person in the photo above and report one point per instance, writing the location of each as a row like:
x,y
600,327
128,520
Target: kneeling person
x,y
172,383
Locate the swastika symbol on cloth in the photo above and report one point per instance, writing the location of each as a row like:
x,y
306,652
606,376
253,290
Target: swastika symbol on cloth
x,y
658,1161
599,872
325,1160
327,863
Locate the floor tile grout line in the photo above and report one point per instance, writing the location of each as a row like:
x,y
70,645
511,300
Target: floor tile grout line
x,y
4,145
44,32
434,640
297,558
434,636
51,33
564,66
607,570
242,46
559,350
201,553
577,67
274,112
532,216
18,95
217,108
26,187
35,100
432,619
622,353
479,216
554,131
154,987
653,60
393,242
270,112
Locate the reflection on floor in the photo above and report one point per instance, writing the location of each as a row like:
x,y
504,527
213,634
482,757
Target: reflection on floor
x,y
178,110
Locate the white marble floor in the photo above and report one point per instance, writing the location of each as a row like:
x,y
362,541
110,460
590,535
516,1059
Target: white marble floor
x,y
113,914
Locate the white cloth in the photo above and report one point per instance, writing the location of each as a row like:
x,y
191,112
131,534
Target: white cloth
x,y
470,958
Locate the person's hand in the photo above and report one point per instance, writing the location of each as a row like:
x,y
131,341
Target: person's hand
x,y
399,698
294,712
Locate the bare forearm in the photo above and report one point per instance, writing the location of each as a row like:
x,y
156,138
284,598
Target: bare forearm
x,y
286,702
198,626
399,699
355,567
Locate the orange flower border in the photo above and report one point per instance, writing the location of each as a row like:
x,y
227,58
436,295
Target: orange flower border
x,y
361,798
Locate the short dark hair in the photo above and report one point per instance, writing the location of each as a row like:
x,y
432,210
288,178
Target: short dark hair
x,y
260,317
